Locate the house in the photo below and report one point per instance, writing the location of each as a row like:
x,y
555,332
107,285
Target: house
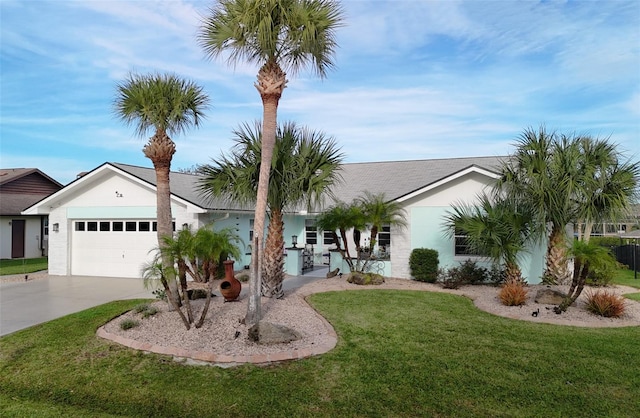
x,y
104,221
23,236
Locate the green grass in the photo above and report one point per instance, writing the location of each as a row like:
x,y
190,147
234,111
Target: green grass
x,y
23,265
626,277
399,353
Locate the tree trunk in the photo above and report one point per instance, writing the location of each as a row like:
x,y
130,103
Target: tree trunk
x,y
171,300
513,272
556,271
160,150
270,84
205,310
273,268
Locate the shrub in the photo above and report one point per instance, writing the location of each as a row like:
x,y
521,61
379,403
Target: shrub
x,y
141,308
146,310
609,242
150,312
128,323
423,263
605,303
513,293
496,275
161,294
469,272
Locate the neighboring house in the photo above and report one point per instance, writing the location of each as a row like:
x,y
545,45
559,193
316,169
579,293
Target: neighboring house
x,y
105,220
23,236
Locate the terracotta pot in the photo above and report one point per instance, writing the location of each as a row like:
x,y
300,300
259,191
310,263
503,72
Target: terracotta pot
x,y
230,286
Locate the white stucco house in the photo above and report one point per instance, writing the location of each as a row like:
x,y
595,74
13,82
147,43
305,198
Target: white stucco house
x,y
103,223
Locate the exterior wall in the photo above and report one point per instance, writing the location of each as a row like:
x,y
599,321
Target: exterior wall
x,y
32,236
111,197
426,217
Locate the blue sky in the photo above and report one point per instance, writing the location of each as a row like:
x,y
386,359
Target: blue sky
x,y
414,79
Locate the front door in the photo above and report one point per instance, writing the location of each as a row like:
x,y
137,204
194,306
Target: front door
x,y
17,238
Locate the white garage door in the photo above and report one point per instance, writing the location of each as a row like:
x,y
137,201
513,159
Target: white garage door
x,y
111,248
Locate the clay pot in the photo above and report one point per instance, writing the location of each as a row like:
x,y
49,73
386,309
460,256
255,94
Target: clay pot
x,y
230,287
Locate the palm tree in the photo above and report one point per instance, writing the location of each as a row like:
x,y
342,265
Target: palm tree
x,y
543,175
188,251
278,35
339,219
587,257
304,167
167,104
378,212
608,183
499,229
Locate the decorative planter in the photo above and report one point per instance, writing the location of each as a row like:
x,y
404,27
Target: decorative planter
x,y
230,287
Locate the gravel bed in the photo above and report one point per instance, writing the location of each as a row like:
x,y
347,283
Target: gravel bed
x,y
218,335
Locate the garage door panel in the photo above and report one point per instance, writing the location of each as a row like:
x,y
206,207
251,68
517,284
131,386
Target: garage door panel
x,y
110,253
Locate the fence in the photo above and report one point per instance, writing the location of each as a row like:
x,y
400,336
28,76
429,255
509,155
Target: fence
x,y
629,255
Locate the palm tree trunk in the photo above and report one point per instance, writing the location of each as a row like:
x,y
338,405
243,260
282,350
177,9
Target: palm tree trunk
x,y
205,310
556,261
160,150
273,273
270,84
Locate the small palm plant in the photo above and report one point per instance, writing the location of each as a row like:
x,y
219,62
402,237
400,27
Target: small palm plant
x,y
190,252
587,256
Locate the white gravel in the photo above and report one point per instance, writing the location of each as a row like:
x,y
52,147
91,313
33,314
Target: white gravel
x,y
218,333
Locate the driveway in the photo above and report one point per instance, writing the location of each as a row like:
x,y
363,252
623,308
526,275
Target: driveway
x,y
24,304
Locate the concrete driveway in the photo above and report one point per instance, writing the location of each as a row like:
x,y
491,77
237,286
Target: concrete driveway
x,y
23,304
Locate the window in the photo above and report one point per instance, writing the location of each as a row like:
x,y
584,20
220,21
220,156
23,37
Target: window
x,y
462,245
384,236
144,226
310,231
92,226
46,226
154,226
251,221
130,226
118,226
327,237
80,226
105,226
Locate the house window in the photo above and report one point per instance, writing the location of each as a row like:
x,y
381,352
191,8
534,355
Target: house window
x,y
92,226
105,226
327,237
310,231
251,221
130,226
154,226
144,226
46,226
118,226
79,226
384,236
462,246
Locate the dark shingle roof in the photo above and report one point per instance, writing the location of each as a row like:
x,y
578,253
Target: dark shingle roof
x,y
393,178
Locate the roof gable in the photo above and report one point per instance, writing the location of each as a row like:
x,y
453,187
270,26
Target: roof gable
x,y
22,187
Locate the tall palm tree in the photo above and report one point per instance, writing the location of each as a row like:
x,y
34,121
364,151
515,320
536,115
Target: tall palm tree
x,y
608,183
543,175
305,165
378,212
278,35
500,229
168,105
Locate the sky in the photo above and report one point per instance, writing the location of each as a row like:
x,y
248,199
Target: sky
x,y
413,79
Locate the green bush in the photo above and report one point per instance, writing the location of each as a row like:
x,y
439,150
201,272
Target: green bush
x,y
469,272
128,323
423,263
605,241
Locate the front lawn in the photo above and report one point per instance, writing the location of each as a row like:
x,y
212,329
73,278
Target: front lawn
x,y
399,353
22,265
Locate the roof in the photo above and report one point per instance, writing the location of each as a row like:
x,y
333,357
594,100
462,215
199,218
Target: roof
x,y
396,179
20,188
